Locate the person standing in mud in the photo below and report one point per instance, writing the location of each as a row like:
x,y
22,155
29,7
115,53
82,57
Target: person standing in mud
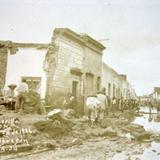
x,y
103,109
150,106
114,105
121,104
22,91
92,105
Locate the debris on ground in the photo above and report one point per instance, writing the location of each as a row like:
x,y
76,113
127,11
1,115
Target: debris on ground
x,y
56,125
61,129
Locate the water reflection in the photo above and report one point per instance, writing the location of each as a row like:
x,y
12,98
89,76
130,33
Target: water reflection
x,y
150,119
152,153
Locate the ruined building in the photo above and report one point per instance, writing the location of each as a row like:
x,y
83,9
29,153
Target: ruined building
x,y
70,63
74,64
23,61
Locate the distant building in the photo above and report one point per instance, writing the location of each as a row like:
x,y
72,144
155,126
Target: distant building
x,y
116,84
145,98
156,94
110,80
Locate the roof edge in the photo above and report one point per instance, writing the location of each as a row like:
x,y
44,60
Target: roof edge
x,y
81,38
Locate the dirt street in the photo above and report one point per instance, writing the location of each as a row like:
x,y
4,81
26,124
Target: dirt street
x,y
116,138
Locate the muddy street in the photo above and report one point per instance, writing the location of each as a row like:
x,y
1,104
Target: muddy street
x,y
94,149
129,136
79,80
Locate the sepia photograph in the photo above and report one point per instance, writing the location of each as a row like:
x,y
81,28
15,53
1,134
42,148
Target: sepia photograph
x,y
79,80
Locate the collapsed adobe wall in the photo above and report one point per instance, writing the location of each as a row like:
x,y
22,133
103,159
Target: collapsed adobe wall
x,y
5,46
49,68
3,65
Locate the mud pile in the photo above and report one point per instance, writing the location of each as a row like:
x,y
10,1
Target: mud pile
x,y
54,128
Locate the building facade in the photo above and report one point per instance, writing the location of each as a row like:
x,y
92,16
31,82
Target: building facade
x,y
110,81
77,66
70,63
156,95
116,84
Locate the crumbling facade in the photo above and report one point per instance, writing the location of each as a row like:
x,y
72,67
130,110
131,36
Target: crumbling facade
x,y
77,65
3,65
5,48
70,63
23,61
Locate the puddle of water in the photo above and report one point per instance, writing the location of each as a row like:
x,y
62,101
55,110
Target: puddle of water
x,y
147,109
152,153
150,120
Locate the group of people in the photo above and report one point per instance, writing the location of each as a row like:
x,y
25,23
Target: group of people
x,y
12,101
123,104
99,105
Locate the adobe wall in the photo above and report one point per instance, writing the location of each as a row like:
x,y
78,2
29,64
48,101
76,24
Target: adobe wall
x,y
3,66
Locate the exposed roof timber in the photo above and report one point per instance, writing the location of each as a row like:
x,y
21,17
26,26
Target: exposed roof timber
x,y
32,45
10,44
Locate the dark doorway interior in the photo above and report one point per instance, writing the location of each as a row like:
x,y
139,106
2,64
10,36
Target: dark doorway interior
x,y
75,88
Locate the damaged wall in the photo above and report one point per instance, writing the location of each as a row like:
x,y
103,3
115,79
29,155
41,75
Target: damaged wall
x,y
72,58
27,62
3,65
49,67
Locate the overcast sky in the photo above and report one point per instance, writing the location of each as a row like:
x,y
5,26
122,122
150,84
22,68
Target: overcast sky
x,y
131,27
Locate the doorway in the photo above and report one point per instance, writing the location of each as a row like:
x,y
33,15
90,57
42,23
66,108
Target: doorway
x,y
74,88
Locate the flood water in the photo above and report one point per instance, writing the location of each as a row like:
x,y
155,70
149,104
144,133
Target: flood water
x,y
150,119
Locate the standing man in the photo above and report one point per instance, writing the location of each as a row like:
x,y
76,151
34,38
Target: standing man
x,y
22,90
114,105
101,96
92,104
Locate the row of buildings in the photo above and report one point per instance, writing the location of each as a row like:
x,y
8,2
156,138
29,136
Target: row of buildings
x,y
154,97
156,94
71,62
116,84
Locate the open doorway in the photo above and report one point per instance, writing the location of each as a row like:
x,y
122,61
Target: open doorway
x,y
74,88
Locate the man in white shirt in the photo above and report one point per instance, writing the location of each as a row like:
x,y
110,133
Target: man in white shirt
x,y
103,104
92,104
22,90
